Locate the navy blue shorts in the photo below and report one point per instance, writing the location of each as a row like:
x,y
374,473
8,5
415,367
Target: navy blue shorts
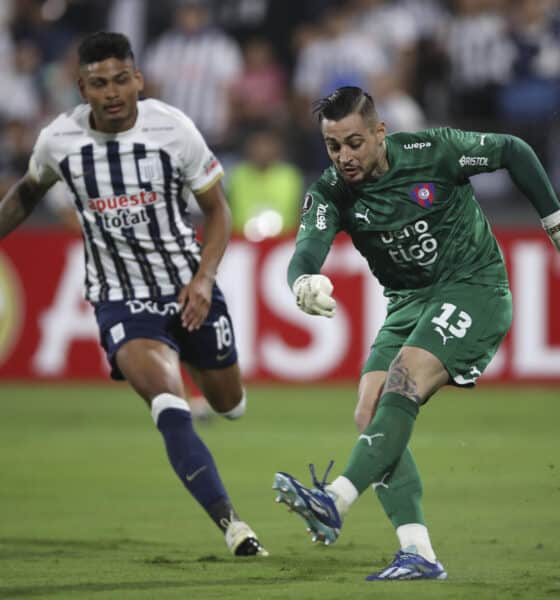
x,y
210,347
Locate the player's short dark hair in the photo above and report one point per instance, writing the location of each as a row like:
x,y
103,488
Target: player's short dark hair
x,y
102,45
343,102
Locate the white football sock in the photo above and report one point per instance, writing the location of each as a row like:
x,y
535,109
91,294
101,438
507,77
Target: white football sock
x,y
344,492
164,401
238,411
414,538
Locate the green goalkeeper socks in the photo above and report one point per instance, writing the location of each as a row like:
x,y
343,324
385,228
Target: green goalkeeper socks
x,y
401,496
382,443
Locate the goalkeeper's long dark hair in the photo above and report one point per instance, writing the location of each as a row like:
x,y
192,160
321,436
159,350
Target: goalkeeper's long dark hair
x,y
343,102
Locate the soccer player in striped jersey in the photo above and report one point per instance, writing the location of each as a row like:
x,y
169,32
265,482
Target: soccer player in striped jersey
x,y
130,166
407,203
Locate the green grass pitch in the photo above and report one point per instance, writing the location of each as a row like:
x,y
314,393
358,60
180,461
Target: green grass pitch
x,y
89,507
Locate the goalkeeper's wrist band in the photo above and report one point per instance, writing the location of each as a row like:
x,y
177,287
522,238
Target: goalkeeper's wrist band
x,y
551,225
297,282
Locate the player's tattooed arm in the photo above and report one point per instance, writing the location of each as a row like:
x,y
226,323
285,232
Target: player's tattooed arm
x,y
400,381
19,202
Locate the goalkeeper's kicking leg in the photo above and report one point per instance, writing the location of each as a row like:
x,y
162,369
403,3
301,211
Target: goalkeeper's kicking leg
x,y
401,493
381,459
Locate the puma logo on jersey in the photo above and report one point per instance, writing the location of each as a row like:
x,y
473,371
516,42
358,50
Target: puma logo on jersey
x,y
363,216
369,438
442,333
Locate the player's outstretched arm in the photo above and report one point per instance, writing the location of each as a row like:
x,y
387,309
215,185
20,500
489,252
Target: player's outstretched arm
x,y
196,296
19,203
529,176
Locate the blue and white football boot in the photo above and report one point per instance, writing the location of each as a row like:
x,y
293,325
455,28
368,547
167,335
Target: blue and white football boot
x,y
407,565
314,505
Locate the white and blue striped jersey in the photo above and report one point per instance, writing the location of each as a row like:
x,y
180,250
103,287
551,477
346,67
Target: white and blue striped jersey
x,y
131,191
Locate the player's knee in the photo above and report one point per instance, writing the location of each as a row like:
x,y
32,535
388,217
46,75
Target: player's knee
x,y
238,410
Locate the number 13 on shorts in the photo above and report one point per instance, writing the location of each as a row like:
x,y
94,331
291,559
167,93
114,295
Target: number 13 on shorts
x,y
451,322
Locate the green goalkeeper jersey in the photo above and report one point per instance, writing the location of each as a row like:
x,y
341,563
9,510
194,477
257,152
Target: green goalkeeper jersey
x,y
419,223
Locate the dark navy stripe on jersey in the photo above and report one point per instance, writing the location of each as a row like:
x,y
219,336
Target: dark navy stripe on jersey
x,y
168,182
153,227
115,169
88,165
119,189
89,246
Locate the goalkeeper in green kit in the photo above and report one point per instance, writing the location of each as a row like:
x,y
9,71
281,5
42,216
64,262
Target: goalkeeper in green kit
x,y
406,202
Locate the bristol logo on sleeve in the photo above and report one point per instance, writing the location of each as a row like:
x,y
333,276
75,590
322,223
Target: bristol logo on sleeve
x,y
423,194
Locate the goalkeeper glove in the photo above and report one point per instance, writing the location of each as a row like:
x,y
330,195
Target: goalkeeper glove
x,y
313,295
551,225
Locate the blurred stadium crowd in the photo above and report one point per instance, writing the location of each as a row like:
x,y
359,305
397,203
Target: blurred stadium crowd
x,y
247,72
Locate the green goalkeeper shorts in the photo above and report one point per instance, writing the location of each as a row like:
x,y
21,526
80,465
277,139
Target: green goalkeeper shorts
x,y
462,324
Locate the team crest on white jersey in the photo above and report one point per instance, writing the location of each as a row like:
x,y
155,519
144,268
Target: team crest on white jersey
x,y
150,169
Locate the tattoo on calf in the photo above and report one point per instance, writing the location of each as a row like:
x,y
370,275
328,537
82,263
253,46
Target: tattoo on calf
x,y
400,381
